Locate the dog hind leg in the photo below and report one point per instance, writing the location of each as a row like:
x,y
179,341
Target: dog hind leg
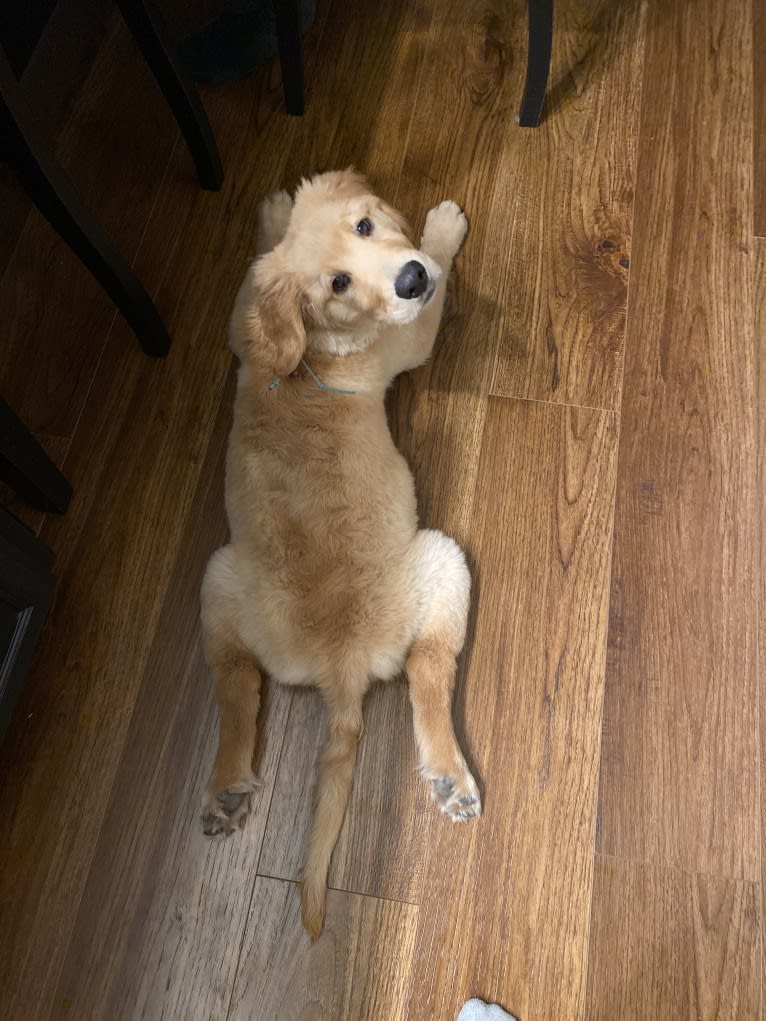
x,y
226,802
336,769
442,585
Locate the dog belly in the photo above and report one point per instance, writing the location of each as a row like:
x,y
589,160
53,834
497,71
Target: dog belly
x,y
368,639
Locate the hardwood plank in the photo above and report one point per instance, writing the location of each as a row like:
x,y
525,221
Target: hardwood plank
x,y
564,194
508,898
461,124
287,829
759,292
666,944
680,747
362,102
162,913
759,118
358,969
384,837
134,464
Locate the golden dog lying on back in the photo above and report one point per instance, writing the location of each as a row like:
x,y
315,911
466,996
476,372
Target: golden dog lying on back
x,y
327,579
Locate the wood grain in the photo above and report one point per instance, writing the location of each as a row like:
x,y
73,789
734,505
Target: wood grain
x,y
506,900
161,916
564,194
680,734
112,905
461,120
358,969
666,944
759,292
383,841
134,465
363,98
759,118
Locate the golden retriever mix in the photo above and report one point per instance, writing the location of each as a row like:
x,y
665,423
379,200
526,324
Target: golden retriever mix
x,y
327,579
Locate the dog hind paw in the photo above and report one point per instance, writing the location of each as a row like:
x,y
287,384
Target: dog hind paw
x,y
445,228
225,812
457,798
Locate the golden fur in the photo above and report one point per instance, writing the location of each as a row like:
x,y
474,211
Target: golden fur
x,y
326,579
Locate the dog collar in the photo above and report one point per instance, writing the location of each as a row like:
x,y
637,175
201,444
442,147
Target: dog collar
x,y
319,384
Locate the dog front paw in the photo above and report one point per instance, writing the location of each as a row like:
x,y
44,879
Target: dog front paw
x,y
274,214
445,228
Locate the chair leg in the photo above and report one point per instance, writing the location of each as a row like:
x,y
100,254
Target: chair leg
x,y
51,191
288,22
177,87
27,469
538,61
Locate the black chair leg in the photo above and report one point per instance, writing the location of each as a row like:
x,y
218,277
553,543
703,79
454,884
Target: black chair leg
x,y
288,21
538,61
27,469
177,87
51,191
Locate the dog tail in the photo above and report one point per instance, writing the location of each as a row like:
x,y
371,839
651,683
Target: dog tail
x,y
336,771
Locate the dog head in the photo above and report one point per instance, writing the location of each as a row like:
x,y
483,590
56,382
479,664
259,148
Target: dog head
x,y
344,267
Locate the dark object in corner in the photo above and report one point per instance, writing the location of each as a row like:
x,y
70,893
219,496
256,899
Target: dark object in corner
x,y
247,34
51,191
27,469
538,61
26,589
22,146
26,582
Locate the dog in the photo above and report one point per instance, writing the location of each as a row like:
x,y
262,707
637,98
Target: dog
x,y
327,579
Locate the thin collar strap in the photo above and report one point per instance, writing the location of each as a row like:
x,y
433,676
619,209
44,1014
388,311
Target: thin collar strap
x,y
319,384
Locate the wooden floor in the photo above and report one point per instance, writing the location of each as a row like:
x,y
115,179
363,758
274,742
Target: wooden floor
x,y
592,429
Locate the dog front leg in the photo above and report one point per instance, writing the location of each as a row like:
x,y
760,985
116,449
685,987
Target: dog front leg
x,y
274,214
443,234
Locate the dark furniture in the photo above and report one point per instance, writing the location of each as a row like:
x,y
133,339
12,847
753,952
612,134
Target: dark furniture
x,y
26,581
51,191
26,590
47,185
538,61
27,469
287,14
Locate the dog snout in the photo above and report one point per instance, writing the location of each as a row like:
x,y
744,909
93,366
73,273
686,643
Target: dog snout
x,y
412,280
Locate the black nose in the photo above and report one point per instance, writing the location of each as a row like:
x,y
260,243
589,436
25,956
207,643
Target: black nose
x,y
412,280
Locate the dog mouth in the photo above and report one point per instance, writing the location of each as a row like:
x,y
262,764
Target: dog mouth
x,y
429,293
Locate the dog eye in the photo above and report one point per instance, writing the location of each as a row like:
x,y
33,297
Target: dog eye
x,y
364,227
340,282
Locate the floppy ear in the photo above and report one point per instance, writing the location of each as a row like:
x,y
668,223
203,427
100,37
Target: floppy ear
x,y
267,327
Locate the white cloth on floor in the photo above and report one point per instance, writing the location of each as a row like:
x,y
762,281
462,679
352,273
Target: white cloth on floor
x,y
478,1010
